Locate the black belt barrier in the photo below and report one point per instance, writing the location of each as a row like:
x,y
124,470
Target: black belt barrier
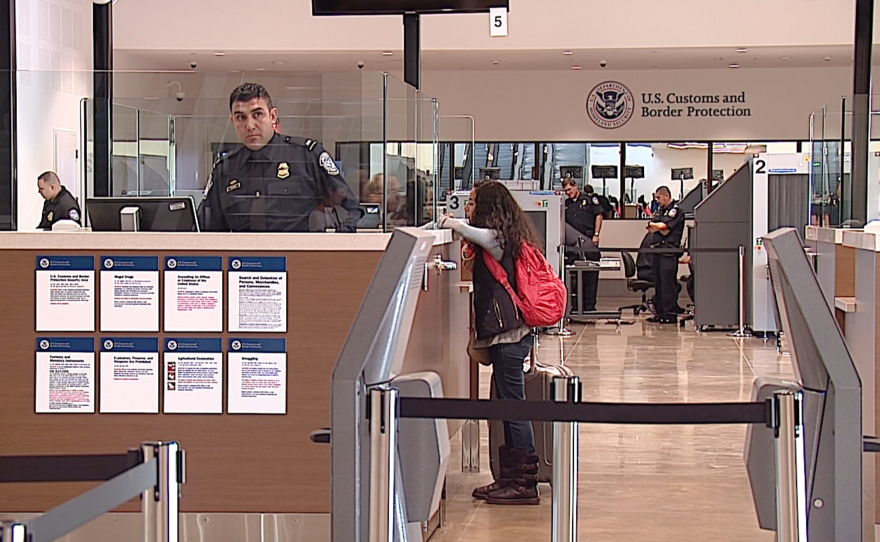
x,y
66,468
617,413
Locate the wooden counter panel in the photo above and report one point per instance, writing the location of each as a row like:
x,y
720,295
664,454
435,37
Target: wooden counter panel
x,y
845,272
236,463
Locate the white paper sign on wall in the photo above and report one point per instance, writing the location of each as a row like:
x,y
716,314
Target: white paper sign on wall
x,y
497,22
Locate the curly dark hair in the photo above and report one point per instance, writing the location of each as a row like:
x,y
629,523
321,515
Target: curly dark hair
x,y
496,209
246,92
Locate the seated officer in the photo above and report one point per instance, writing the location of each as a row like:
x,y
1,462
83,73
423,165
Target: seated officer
x,y
583,212
667,228
60,203
273,182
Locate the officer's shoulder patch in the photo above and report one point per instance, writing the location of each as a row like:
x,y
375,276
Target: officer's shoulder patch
x,y
73,214
673,212
328,164
595,200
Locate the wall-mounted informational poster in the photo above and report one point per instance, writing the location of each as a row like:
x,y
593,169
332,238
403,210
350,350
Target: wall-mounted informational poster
x,y
129,293
65,293
65,379
129,375
193,293
258,294
257,376
193,376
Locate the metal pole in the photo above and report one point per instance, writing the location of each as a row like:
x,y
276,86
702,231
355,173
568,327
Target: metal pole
x,y
791,515
383,457
742,331
162,502
565,464
560,330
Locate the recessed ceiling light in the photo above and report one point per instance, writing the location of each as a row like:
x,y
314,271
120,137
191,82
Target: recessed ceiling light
x,y
495,63
575,68
734,65
387,53
261,69
568,53
219,53
785,58
827,59
742,50
278,62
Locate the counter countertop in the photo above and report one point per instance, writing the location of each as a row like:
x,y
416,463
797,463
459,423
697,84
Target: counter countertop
x,y
861,239
825,235
202,241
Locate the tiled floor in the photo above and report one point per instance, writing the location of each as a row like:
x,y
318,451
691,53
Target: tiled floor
x,y
657,483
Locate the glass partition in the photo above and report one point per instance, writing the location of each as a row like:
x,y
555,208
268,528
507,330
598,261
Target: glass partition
x,y
830,133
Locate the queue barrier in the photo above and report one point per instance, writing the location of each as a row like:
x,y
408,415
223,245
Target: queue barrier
x,y
782,414
156,471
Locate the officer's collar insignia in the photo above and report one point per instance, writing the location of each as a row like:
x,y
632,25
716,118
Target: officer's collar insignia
x,y
328,164
283,170
234,184
50,215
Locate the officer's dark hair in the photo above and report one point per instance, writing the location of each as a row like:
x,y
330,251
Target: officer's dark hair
x,y
664,190
49,177
497,210
246,92
588,189
568,181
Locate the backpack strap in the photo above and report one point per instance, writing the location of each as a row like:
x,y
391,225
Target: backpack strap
x,y
500,275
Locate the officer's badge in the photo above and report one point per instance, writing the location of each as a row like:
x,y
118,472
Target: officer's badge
x,y
673,212
73,214
328,164
283,170
234,184
50,216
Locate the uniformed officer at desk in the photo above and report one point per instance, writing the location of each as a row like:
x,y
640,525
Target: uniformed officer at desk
x,y
583,212
60,203
667,228
273,182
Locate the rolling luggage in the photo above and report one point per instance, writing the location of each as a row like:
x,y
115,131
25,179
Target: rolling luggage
x,y
538,381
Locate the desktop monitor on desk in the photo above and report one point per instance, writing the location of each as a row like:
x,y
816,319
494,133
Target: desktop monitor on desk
x,y
142,214
490,173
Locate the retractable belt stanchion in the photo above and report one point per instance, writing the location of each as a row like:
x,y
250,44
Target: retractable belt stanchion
x,y
383,450
791,509
560,330
742,331
161,503
565,463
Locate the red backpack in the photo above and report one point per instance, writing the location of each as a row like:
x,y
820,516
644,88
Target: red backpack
x,y
542,295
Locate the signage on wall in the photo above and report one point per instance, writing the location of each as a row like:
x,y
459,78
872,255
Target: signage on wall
x,y
611,104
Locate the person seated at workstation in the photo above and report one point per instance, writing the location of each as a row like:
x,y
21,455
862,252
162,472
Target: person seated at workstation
x,y
607,209
667,228
273,182
60,203
583,212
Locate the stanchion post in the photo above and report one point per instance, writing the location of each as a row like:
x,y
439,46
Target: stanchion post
x,y
12,532
791,510
742,332
565,464
161,503
383,457
559,330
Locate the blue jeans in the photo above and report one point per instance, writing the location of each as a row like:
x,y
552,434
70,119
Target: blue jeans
x,y
507,374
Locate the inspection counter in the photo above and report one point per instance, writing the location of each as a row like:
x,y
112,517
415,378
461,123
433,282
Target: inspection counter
x,y
241,461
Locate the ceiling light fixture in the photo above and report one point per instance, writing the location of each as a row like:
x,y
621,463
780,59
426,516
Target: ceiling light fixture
x,y
387,53
575,68
734,65
742,50
219,53
785,58
827,59
568,53
278,62
495,63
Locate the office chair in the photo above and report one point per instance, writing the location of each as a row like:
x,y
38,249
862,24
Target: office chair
x,y
634,284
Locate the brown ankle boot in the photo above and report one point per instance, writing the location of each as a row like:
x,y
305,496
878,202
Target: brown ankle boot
x,y
505,475
523,489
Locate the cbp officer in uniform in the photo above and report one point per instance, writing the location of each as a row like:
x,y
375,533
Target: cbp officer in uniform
x,y
583,212
666,228
60,203
273,182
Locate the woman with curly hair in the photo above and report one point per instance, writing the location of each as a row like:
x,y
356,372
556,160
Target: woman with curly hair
x,y
497,229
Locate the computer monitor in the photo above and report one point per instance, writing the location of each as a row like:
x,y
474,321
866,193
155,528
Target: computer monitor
x,y
635,172
176,213
372,216
490,173
682,173
458,173
604,172
571,172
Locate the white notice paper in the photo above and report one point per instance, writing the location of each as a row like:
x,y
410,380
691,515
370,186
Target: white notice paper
x,y
193,376
66,293
257,376
65,375
130,375
193,293
258,294
129,293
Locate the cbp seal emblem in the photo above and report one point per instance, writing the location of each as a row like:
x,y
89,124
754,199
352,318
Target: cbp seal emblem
x,y
44,344
236,345
610,105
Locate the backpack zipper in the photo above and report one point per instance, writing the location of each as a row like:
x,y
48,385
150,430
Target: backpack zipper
x,y
498,314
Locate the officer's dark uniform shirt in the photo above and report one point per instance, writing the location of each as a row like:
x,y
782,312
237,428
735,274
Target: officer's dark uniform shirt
x,y
274,189
63,207
674,220
581,213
